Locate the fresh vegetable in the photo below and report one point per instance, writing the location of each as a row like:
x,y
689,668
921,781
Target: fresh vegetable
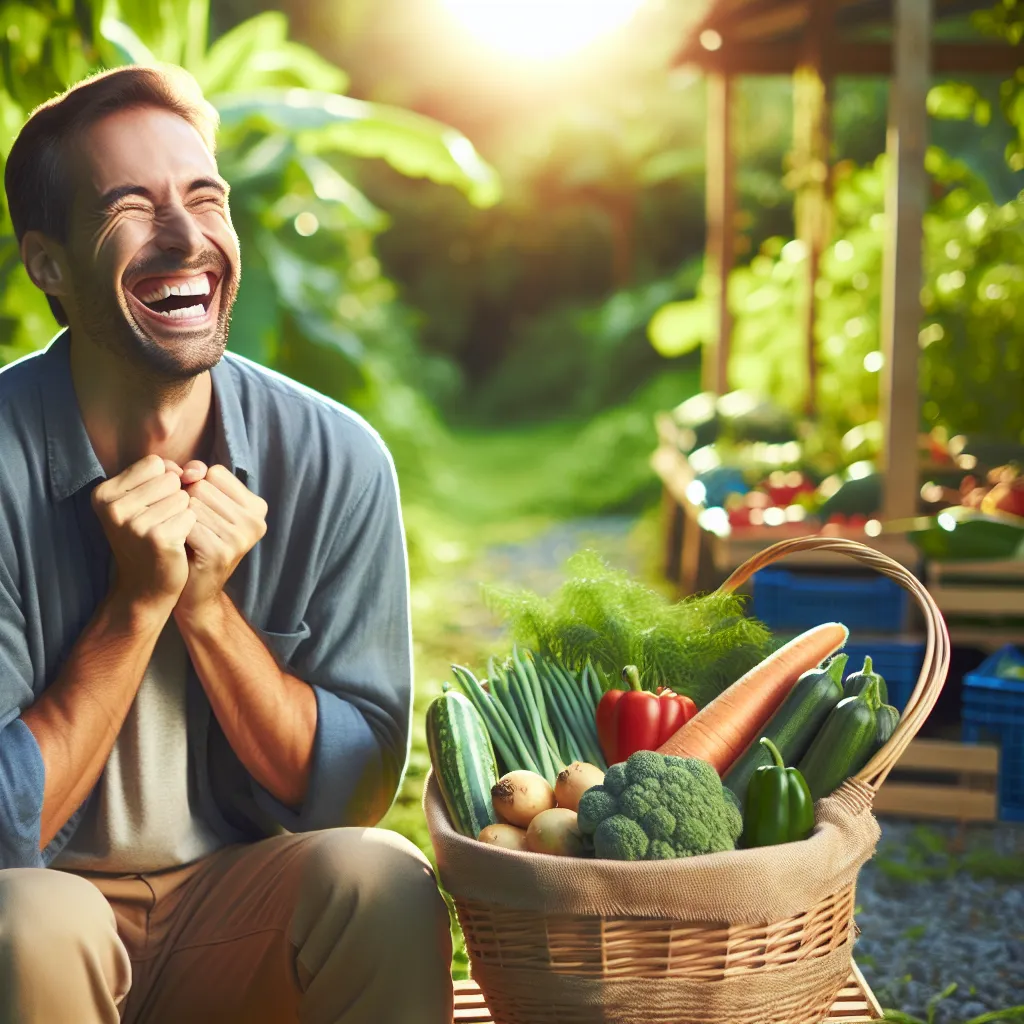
x,y
794,725
721,731
519,796
888,719
779,807
463,761
574,781
697,646
846,742
556,832
856,682
635,719
653,807
508,837
540,716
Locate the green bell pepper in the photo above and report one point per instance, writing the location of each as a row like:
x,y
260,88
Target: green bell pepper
x,y
779,808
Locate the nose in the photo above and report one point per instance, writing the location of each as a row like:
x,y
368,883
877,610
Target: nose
x,y
178,232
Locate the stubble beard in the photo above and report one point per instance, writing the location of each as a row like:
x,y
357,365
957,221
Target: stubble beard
x,y
112,325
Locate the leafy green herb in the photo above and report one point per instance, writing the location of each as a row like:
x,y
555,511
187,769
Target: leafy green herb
x,y
697,646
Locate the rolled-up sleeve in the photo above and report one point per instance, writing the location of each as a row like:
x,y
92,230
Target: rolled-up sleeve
x,y
358,659
22,774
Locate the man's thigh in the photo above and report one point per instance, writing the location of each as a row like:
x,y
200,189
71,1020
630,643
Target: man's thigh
x,y
245,938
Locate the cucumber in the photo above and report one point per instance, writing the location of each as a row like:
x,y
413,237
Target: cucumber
x,y
793,726
856,682
888,719
463,760
845,743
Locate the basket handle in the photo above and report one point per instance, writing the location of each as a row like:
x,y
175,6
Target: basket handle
x,y
937,650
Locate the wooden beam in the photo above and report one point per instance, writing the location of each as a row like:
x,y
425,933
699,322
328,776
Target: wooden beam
x,y
720,200
810,174
995,59
905,205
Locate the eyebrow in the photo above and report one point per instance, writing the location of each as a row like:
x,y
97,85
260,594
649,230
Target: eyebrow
x,y
114,195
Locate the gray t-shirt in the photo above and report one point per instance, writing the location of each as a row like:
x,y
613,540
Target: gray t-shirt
x,y
144,812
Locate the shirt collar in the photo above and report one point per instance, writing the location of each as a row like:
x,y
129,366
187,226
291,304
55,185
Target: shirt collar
x,y
70,455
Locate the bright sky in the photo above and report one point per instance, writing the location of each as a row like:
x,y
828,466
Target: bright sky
x,y
542,29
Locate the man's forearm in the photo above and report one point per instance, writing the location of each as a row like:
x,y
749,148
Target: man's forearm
x,y
77,718
268,716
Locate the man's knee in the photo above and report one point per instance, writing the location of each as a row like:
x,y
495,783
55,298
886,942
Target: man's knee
x,y
43,911
379,872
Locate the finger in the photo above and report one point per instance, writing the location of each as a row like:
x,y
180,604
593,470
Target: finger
x,y
159,512
193,471
172,467
137,500
212,520
204,541
226,507
149,468
173,532
224,480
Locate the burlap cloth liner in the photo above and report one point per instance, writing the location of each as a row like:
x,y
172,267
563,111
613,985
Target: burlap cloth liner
x,y
740,887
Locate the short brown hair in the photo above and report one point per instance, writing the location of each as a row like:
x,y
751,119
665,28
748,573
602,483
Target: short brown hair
x,y
37,180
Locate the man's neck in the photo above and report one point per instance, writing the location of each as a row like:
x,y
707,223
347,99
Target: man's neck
x,y
128,414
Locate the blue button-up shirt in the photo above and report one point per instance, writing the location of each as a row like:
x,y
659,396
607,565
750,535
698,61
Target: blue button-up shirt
x,y
327,589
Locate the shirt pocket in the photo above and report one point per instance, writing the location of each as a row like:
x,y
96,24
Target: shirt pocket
x,y
284,645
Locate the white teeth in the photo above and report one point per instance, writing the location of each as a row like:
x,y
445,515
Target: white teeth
x,y
196,286
180,314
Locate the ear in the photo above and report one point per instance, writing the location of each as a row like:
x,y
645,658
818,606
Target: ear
x,y
44,260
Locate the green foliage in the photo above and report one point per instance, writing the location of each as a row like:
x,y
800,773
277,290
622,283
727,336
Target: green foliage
x,y
929,855
313,300
973,328
996,1016
697,646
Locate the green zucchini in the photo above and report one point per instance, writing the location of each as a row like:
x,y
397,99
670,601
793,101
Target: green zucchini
x,y
888,719
856,682
793,726
463,761
845,743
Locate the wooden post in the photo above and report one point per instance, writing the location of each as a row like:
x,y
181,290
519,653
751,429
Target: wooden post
x,y
720,248
811,162
906,200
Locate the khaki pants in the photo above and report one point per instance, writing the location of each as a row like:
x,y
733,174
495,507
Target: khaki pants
x,y
344,926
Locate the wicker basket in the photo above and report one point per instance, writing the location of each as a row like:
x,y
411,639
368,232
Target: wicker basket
x,y
569,967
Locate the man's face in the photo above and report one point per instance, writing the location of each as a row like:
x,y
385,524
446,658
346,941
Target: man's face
x,y
152,253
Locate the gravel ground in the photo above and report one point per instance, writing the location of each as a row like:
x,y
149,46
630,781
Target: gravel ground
x,y
943,923
938,905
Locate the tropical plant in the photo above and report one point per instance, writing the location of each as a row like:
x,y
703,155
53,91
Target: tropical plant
x,y
313,301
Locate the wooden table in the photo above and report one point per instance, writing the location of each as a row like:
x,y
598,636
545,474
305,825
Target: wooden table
x,y
856,1003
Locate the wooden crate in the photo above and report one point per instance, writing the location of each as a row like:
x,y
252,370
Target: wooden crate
x,y
983,602
972,797
697,559
856,1003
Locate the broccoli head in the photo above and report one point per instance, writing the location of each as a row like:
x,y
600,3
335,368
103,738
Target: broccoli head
x,y
654,807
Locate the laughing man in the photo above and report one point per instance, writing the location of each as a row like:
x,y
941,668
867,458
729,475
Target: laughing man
x,y
205,678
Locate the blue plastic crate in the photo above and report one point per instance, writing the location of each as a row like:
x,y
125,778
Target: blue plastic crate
x,y
788,600
898,662
993,711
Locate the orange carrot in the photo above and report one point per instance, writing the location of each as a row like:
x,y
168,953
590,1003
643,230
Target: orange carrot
x,y
723,729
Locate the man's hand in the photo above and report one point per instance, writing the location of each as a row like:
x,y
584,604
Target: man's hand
x,y
229,521
146,516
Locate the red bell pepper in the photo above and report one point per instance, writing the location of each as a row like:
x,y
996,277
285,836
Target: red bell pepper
x,y
636,719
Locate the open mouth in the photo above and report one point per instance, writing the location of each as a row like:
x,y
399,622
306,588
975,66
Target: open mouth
x,y
178,299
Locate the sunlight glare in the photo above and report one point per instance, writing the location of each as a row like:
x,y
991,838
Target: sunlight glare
x,y
542,29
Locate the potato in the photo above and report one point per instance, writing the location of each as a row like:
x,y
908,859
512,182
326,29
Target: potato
x,y
574,781
555,831
519,796
508,837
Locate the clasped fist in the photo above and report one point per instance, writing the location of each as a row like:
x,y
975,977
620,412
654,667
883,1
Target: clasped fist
x,y
177,534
